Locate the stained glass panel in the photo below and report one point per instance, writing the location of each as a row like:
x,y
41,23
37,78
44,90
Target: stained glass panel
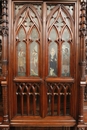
x,y
21,55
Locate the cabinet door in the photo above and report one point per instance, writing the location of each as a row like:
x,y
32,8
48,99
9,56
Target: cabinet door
x,y
28,59
59,58
43,61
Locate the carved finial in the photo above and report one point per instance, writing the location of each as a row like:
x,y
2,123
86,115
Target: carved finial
x,y
83,19
4,18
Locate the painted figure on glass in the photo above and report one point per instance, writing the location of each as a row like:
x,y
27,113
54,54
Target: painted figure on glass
x,y
34,61
21,60
53,63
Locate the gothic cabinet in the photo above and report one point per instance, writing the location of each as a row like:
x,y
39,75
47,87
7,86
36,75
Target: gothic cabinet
x,y
43,63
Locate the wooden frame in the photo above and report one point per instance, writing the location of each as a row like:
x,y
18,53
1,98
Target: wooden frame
x,y
13,84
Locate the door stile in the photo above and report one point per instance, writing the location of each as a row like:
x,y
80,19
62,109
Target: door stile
x,y
44,100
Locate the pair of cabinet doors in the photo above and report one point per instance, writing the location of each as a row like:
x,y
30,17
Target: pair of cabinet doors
x,y
43,58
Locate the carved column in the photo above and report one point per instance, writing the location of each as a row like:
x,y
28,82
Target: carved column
x,y
82,63
4,60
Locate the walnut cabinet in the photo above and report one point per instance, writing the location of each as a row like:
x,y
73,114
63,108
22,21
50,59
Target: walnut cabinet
x,y
43,64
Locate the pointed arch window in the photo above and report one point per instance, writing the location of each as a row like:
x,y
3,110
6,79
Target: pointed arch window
x,y
60,41
28,40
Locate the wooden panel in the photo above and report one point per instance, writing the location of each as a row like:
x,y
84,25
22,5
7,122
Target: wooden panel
x,y
30,128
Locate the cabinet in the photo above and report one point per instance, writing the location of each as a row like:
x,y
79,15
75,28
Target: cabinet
x,y
43,64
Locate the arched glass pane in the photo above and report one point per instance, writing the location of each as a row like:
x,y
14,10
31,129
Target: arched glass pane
x,y
66,59
53,51
34,50
66,35
53,34
34,34
21,56
21,34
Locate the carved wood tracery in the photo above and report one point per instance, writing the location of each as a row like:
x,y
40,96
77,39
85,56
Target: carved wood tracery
x,y
58,98
41,92
28,98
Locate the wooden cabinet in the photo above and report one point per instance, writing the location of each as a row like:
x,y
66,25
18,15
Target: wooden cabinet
x,y
43,64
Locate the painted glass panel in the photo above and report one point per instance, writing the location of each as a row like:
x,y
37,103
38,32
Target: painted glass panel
x,y
21,34
66,35
66,59
53,59
53,34
34,50
34,34
21,55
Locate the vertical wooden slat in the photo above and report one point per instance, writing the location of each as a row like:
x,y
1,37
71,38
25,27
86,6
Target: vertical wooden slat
x,y
52,104
64,103
22,104
58,103
43,86
28,108
34,104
